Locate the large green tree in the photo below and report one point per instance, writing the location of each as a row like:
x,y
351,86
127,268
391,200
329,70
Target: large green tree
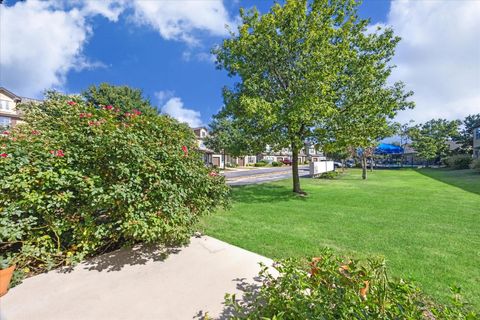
x,y
122,97
465,135
227,137
430,139
294,65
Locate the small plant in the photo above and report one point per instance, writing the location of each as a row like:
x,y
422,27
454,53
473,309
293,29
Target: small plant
x,y
261,163
329,175
276,164
459,161
475,165
331,287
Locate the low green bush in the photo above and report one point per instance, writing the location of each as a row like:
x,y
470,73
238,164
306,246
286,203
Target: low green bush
x,y
231,165
276,164
261,163
458,162
330,287
330,175
475,165
79,179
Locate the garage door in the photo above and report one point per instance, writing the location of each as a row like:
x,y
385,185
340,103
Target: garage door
x,y
216,161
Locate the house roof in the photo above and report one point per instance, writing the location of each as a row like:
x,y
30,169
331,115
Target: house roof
x,y
10,94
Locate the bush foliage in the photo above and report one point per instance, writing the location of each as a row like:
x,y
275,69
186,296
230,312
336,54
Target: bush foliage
x,y
261,163
276,164
330,175
329,287
475,165
79,179
459,161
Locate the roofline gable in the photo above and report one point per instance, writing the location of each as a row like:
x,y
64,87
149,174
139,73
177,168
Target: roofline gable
x,y
10,94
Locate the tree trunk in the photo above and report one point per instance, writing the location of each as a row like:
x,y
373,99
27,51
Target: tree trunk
x,y
371,164
223,151
296,177
364,167
343,165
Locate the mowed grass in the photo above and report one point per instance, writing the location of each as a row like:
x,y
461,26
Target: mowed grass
x,y
426,223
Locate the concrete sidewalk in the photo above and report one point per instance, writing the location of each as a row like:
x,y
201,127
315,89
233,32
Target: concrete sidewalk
x,y
139,283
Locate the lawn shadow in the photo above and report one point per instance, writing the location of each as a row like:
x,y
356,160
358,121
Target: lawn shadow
x,y
261,193
467,180
118,259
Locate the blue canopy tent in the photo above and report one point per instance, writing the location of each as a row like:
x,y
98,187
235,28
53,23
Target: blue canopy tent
x,y
385,148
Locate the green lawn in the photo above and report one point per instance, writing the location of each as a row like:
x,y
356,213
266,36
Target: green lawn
x,y
426,223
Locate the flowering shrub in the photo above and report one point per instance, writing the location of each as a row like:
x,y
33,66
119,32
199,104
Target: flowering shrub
x,y
79,179
329,287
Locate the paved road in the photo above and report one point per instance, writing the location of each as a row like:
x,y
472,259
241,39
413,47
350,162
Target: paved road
x,y
261,175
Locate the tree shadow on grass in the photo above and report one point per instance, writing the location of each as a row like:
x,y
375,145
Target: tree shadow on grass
x,y
467,180
118,259
262,193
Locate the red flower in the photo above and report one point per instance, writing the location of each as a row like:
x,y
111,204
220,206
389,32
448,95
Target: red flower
x,y
213,174
136,112
109,107
72,103
6,132
35,132
57,153
185,151
4,155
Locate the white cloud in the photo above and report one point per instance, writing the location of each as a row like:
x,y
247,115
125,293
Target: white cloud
x,y
164,95
438,57
42,41
37,53
175,108
176,20
110,9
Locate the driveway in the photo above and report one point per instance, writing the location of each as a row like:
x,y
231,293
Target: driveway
x,y
139,283
262,175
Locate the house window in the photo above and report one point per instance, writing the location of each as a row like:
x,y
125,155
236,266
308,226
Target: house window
x,y
4,105
5,122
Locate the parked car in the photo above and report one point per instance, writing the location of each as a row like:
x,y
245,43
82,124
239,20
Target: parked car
x,y
337,164
288,162
349,163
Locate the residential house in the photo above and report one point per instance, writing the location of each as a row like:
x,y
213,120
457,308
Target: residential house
x,y
201,133
9,115
212,158
307,154
476,143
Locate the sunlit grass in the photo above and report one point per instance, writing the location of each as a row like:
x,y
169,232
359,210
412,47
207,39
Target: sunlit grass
x,y
426,223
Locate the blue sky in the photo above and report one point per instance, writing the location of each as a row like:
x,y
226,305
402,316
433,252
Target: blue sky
x,y
165,51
